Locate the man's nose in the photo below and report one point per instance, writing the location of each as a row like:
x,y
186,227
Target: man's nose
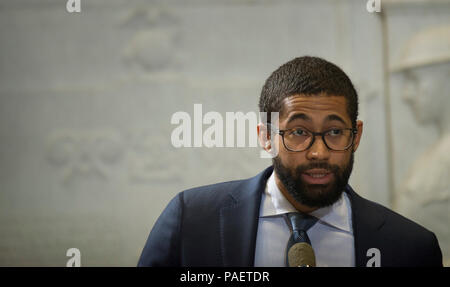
x,y
318,151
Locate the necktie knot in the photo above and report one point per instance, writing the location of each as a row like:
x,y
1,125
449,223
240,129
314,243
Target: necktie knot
x,y
301,221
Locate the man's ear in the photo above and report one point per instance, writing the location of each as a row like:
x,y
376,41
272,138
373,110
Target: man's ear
x,y
359,127
264,137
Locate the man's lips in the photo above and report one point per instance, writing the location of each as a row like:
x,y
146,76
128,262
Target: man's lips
x,y
317,176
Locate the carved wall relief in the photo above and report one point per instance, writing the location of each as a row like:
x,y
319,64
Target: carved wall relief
x,y
425,194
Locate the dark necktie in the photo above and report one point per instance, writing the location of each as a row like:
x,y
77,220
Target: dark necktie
x,y
299,251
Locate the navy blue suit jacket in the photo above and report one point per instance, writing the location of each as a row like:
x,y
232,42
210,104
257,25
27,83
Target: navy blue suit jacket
x,y
216,225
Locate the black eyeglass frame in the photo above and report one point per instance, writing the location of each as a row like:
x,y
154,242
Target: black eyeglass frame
x,y
314,134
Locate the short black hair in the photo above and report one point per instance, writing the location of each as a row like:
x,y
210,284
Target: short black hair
x,y
307,76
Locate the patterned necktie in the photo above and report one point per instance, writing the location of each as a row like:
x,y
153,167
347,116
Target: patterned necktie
x,y
300,223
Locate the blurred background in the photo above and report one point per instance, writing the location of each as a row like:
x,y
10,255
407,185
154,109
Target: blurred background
x,y
86,100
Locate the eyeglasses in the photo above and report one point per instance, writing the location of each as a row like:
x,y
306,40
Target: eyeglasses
x,y
300,139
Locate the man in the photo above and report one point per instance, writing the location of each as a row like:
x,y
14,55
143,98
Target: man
x,y
249,222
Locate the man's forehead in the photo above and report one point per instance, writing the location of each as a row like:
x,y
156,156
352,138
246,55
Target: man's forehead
x,y
307,107
310,104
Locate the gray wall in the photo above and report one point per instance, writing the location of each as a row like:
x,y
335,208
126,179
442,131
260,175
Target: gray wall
x,y
86,100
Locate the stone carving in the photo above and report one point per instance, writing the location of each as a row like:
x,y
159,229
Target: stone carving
x,y
140,156
84,153
425,194
160,42
145,17
153,159
156,37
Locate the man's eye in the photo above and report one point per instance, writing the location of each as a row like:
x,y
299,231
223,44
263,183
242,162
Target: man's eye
x,y
299,132
335,132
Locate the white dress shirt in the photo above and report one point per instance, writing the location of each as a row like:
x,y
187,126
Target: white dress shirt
x,y
331,237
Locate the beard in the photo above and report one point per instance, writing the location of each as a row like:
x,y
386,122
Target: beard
x,y
314,195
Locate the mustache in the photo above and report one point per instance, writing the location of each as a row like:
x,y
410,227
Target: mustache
x,y
319,165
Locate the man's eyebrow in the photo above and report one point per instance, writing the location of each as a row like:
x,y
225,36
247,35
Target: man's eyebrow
x,y
300,116
305,117
335,118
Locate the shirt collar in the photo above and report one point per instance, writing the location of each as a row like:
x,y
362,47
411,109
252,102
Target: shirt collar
x,y
274,203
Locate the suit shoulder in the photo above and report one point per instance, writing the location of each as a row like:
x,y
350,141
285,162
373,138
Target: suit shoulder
x,y
399,226
212,194
397,220
406,239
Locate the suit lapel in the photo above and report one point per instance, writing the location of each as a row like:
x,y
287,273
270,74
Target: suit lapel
x,y
239,221
367,220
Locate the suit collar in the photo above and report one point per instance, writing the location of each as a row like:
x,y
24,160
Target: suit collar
x,y
239,221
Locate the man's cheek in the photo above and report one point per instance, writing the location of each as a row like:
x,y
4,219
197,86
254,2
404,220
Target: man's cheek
x,y
295,160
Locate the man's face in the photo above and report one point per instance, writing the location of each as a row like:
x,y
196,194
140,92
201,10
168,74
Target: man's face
x,y
317,176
